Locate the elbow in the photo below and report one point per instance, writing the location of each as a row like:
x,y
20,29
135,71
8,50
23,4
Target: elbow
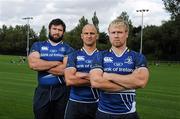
x,y
141,84
59,73
94,84
68,83
32,66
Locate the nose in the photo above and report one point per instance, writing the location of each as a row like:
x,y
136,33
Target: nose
x,y
56,31
116,34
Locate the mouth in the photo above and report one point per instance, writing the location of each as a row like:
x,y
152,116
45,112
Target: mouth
x,y
117,41
56,36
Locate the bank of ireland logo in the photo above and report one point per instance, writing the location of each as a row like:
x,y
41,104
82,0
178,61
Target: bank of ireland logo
x,y
128,60
44,48
108,59
80,58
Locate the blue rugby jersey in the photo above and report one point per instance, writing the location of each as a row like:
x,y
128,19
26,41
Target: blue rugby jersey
x,y
82,61
51,53
122,102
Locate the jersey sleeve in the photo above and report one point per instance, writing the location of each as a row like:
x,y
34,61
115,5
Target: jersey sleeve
x,y
35,47
97,62
140,61
69,50
71,62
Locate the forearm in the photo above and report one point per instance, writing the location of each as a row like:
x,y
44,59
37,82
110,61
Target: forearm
x,y
41,65
58,70
74,78
138,79
107,86
97,81
76,81
83,75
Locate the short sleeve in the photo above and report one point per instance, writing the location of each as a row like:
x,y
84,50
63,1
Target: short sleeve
x,y
69,50
140,61
97,62
71,62
35,47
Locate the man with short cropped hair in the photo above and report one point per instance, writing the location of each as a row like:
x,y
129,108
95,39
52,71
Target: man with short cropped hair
x,y
48,58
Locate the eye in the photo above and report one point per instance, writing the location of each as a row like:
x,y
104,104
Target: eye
x,y
113,32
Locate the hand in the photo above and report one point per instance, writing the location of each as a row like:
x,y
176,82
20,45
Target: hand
x,y
106,76
83,75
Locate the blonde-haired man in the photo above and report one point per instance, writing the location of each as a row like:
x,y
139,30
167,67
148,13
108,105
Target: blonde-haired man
x,y
117,73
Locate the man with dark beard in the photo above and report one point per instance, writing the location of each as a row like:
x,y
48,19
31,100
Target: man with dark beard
x,y
49,59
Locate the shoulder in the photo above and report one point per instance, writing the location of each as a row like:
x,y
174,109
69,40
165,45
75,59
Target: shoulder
x,y
74,53
103,52
135,54
139,58
66,45
40,43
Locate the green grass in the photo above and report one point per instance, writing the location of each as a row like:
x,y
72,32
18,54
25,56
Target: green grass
x,y
159,100
16,89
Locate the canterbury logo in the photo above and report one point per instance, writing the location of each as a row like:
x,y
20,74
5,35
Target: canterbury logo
x,y
108,59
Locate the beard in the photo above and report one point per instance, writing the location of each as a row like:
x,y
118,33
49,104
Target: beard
x,y
56,40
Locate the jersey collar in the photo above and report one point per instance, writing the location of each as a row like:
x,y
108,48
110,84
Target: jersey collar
x,y
111,50
54,44
83,49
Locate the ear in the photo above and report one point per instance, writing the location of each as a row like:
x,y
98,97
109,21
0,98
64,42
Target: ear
x,y
127,34
97,37
81,36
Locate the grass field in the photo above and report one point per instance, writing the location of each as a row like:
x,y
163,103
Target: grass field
x,y
159,100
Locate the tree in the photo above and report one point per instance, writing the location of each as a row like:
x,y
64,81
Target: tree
x,y
74,36
125,17
171,30
14,39
172,6
95,21
43,34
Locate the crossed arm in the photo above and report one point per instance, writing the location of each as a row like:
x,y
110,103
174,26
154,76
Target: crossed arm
x,y
74,78
116,82
97,81
137,79
53,67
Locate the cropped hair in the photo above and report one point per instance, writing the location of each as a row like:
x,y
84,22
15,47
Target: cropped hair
x,y
57,22
119,22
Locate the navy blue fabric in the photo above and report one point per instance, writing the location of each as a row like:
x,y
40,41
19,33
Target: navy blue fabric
x,y
124,101
76,110
51,95
101,115
50,102
82,62
51,53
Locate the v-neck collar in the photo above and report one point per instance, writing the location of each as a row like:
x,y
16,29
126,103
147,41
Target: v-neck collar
x,y
54,44
111,50
83,49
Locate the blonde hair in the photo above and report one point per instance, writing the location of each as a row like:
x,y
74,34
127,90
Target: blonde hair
x,y
119,22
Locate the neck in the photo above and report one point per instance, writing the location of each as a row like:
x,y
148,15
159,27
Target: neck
x,y
53,43
89,49
118,50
